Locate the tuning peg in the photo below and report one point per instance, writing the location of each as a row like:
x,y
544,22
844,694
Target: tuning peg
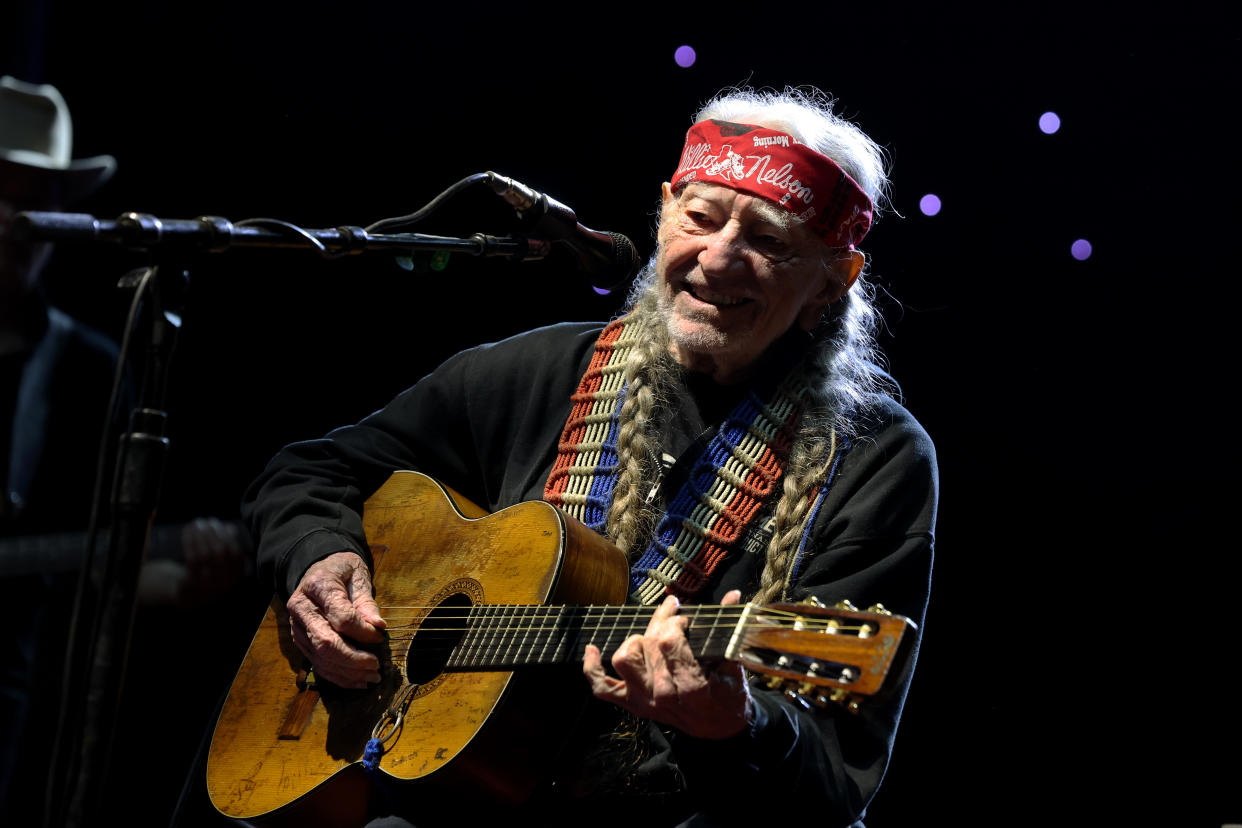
x,y
845,604
793,695
879,609
836,697
812,601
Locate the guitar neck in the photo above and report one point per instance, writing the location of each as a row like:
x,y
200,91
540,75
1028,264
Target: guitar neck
x,y
508,637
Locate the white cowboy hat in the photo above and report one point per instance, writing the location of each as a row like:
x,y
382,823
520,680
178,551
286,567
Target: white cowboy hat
x,y
36,143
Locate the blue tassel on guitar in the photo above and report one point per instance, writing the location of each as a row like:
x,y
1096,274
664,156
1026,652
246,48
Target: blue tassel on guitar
x,y
371,756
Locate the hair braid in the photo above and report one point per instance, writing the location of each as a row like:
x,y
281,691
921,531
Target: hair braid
x,y
631,519
803,472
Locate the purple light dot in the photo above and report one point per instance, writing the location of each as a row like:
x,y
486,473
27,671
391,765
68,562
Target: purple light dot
x,y
1081,250
930,204
1049,123
601,291
684,56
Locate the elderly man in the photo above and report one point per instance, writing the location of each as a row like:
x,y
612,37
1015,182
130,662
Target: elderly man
x,y
731,433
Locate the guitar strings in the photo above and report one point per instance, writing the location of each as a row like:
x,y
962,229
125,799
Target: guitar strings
x,y
608,614
552,622
536,641
531,626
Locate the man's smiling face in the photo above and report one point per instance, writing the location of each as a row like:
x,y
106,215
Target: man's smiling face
x,y
736,272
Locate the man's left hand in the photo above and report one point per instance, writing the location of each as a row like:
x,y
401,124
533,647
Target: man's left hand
x,y
659,678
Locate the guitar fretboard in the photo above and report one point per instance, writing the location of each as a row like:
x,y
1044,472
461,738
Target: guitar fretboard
x,y
506,637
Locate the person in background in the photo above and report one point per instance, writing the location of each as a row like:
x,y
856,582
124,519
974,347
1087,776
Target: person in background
x,y
56,378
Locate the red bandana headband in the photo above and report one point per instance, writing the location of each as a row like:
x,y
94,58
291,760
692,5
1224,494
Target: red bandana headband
x,y
771,165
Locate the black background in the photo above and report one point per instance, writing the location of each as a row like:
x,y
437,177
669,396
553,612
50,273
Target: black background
x,y
1079,660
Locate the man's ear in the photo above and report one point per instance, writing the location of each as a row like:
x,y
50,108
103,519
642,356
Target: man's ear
x,y
837,282
851,269
843,275
667,198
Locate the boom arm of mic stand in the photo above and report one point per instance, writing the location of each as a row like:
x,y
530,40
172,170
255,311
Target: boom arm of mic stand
x,y
215,234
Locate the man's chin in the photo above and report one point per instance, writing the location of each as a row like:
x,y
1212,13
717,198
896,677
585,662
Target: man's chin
x,y
699,337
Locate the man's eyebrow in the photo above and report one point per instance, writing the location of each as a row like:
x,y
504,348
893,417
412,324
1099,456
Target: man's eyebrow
x,y
697,189
770,213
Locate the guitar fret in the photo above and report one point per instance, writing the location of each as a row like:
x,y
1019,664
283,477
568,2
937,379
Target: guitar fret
x,y
592,635
574,647
456,657
509,618
693,632
536,632
523,628
604,644
609,647
548,635
708,637
494,636
586,633
478,653
476,617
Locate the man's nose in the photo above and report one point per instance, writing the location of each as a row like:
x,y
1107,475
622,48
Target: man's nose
x,y
722,250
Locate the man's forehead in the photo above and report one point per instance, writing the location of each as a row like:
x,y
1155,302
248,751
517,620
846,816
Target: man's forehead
x,y
759,207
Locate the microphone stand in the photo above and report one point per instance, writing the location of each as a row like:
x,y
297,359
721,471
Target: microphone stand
x,y
215,234
106,604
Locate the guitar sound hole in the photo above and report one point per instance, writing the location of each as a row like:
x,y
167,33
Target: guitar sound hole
x,y
437,637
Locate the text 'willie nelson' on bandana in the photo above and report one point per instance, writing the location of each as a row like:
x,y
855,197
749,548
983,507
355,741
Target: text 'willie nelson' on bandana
x,y
770,164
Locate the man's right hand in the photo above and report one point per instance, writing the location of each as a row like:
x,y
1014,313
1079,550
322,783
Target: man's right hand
x,y
330,610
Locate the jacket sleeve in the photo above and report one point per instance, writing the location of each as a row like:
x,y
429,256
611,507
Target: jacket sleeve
x,y
871,542
307,503
484,423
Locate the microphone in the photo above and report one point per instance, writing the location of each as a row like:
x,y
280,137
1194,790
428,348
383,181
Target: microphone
x,y
609,259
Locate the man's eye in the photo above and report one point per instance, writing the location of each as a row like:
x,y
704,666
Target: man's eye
x,y
699,219
772,244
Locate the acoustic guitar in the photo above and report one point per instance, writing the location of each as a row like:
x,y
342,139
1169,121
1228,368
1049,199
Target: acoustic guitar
x,y
488,619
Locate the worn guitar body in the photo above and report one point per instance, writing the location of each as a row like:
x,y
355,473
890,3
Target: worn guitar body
x,y
469,598
275,744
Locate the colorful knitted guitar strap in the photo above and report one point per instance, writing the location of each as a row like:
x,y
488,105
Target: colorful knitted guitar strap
x,y
725,490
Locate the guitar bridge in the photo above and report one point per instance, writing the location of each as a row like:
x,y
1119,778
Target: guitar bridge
x,y
303,706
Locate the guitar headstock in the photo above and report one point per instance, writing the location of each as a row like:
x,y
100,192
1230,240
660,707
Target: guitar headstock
x,y
820,654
